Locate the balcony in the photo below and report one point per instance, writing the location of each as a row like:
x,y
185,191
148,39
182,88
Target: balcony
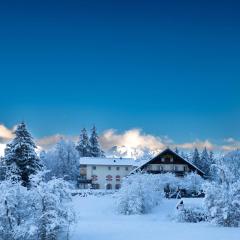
x,y
83,179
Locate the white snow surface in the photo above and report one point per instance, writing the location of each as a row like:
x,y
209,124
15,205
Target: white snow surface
x,y
98,220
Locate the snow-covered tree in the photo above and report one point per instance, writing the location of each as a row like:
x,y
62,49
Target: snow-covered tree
x,y
192,182
196,158
83,145
62,161
185,155
95,148
42,212
139,194
54,212
232,162
17,208
222,199
20,155
205,162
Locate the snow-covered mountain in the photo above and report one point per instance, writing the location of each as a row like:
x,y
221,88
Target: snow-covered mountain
x,y
128,152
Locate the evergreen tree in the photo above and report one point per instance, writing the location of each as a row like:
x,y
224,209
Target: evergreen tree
x,y
20,156
83,146
205,162
94,144
196,158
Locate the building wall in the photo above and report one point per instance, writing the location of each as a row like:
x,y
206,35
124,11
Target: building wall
x,y
103,175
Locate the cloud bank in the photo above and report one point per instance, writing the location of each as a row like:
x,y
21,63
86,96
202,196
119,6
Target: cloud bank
x,y
133,139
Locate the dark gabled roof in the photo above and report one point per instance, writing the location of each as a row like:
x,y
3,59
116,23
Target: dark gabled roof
x,y
169,151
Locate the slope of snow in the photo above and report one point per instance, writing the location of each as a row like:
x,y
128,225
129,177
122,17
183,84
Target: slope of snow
x,y
97,220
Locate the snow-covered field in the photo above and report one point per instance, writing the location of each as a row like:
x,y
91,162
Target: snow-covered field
x,y
97,220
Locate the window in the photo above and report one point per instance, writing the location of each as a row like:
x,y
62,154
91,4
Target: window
x,y
171,159
117,168
117,186
176,168
94,177
95,186
126,168
162,159
118,178
160,168
109,178
94,167
109,186
109,168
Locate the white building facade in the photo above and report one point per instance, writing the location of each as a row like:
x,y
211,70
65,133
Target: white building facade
x,y
104,173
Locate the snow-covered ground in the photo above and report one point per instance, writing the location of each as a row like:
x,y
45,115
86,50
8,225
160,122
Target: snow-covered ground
x,y
97,220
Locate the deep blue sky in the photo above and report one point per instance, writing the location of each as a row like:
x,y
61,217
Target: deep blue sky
x,y
169,67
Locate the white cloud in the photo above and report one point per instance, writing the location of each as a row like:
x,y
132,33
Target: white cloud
x,y
196,144
133,138
49,141
6,134
231,144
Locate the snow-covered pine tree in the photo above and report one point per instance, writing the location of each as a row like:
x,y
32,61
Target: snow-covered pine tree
x,y
20,155
96,150
205,162
83,145
196,158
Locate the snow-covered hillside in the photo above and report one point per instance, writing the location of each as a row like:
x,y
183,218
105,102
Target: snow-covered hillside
x,y
97,219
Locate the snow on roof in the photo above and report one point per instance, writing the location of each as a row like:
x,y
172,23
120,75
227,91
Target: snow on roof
x,y
107,161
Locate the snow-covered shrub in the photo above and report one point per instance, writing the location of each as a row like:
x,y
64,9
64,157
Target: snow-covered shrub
x,y
17,208
222,201
40,212
54,210
139,194
191,183
191,214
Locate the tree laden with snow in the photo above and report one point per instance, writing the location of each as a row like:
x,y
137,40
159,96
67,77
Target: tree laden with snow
x,y
232,161
95,148
139,194
42,212
196,158
222,199
205,163
54,212
83,146
20,155
62,161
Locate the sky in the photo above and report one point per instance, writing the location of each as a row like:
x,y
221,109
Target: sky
x,y
164,69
